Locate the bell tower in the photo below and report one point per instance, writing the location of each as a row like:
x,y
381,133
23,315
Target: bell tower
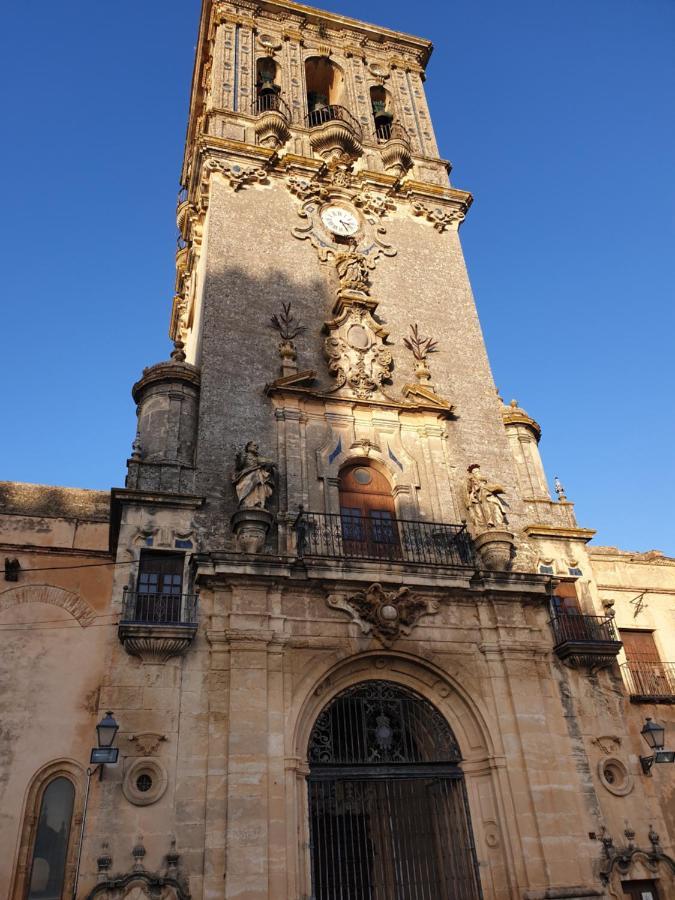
x,y
329,514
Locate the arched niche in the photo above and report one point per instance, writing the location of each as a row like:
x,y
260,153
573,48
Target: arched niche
x,y
267,80
325,84
382,107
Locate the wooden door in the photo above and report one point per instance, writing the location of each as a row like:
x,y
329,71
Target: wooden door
x,y
368,515
645,666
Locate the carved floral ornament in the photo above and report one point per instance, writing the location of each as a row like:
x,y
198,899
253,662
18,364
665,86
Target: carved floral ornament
x,y
385,615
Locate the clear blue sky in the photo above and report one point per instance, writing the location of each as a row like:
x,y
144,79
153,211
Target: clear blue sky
x,y
557,116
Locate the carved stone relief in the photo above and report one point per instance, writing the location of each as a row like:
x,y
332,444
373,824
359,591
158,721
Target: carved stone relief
x,y
387,615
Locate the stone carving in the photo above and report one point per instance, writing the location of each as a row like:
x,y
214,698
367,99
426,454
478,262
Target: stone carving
x,y
420,348
493,541
352,270
289,328
253,478
147,742
355,352
236,176
387,615
441,218
483,500
372,203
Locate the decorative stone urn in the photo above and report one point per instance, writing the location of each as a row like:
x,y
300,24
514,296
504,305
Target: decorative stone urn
x,y
496,548
251,526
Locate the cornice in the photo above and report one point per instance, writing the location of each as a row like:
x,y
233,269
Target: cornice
x,y
557,531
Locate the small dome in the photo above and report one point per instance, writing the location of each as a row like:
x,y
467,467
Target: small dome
x,y
512,414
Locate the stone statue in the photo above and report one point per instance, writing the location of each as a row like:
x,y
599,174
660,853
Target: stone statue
x,y
352,270
253,478
483,500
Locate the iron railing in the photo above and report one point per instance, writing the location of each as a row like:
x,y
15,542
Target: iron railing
x,y
576,627
270,103
393,540
391,131
333,113
159,609
650,680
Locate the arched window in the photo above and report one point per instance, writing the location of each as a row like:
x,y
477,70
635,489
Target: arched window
x,y
368,515
388,808
50,846
324,88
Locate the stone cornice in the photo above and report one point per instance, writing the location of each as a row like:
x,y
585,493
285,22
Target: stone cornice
x,y
559,531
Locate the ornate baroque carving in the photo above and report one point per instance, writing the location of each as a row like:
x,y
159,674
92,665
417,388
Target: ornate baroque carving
x,y
420,348
386,615
440,217
236,175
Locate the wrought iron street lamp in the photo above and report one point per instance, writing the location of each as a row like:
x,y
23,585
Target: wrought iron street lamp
x,y
654,736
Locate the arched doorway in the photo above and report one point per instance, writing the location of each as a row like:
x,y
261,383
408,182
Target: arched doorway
x,y
389,818
368,515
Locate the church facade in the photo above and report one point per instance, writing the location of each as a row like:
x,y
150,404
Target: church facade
x,y
353,647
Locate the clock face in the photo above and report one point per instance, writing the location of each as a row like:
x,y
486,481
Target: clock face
x,y
340,221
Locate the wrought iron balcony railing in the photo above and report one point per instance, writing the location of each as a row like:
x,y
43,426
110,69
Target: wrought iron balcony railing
x,y
333,113
391,131
336,536
159,609
650,681
270,103
571,627
585,640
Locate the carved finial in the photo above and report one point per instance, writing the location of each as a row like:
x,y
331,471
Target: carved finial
x,y
104,862
178,353
172,858
630,835
136,452
420,347
289,328
138,854
559,489
654,839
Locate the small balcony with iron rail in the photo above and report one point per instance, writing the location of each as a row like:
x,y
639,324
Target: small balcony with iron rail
x,y
649,681
156,627
582,640
389,541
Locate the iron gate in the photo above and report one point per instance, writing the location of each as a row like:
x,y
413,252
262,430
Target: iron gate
x,y
389,818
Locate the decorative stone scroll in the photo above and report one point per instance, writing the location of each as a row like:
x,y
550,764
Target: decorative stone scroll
x,y
236,175
441,217
387,615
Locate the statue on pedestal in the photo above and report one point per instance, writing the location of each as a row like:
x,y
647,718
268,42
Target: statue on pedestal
x,y
253,478
483,500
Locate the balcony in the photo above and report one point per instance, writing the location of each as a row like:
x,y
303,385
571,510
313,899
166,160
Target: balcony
x,y
649,682
334,132
156,627
270,102
581,640
333,536
391,131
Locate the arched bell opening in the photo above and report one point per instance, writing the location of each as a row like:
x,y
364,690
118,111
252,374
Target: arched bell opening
x,y
325,89
367,513
267,86
383,112
389,816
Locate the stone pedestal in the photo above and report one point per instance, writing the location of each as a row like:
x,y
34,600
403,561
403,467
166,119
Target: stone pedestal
x,y
251,527
496,549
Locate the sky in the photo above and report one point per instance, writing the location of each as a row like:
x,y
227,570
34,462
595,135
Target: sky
x,y
558,117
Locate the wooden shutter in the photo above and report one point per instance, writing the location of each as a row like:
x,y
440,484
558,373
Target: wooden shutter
x,y
639,646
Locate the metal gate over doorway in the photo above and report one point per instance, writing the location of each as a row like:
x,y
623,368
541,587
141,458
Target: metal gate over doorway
x,y
389,818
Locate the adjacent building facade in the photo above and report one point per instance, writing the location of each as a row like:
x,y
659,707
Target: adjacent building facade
x,y
354,648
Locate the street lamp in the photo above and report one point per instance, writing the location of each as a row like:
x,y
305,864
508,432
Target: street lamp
x,y
100,757
654,736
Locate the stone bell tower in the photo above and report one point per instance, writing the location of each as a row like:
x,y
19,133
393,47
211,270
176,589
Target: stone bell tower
x,y
328,544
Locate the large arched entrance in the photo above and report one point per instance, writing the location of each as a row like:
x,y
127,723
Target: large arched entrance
x,y
389,818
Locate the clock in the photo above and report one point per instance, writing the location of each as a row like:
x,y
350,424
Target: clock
x,y
340,221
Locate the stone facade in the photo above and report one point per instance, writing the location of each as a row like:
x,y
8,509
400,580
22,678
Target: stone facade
x,y
324,324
